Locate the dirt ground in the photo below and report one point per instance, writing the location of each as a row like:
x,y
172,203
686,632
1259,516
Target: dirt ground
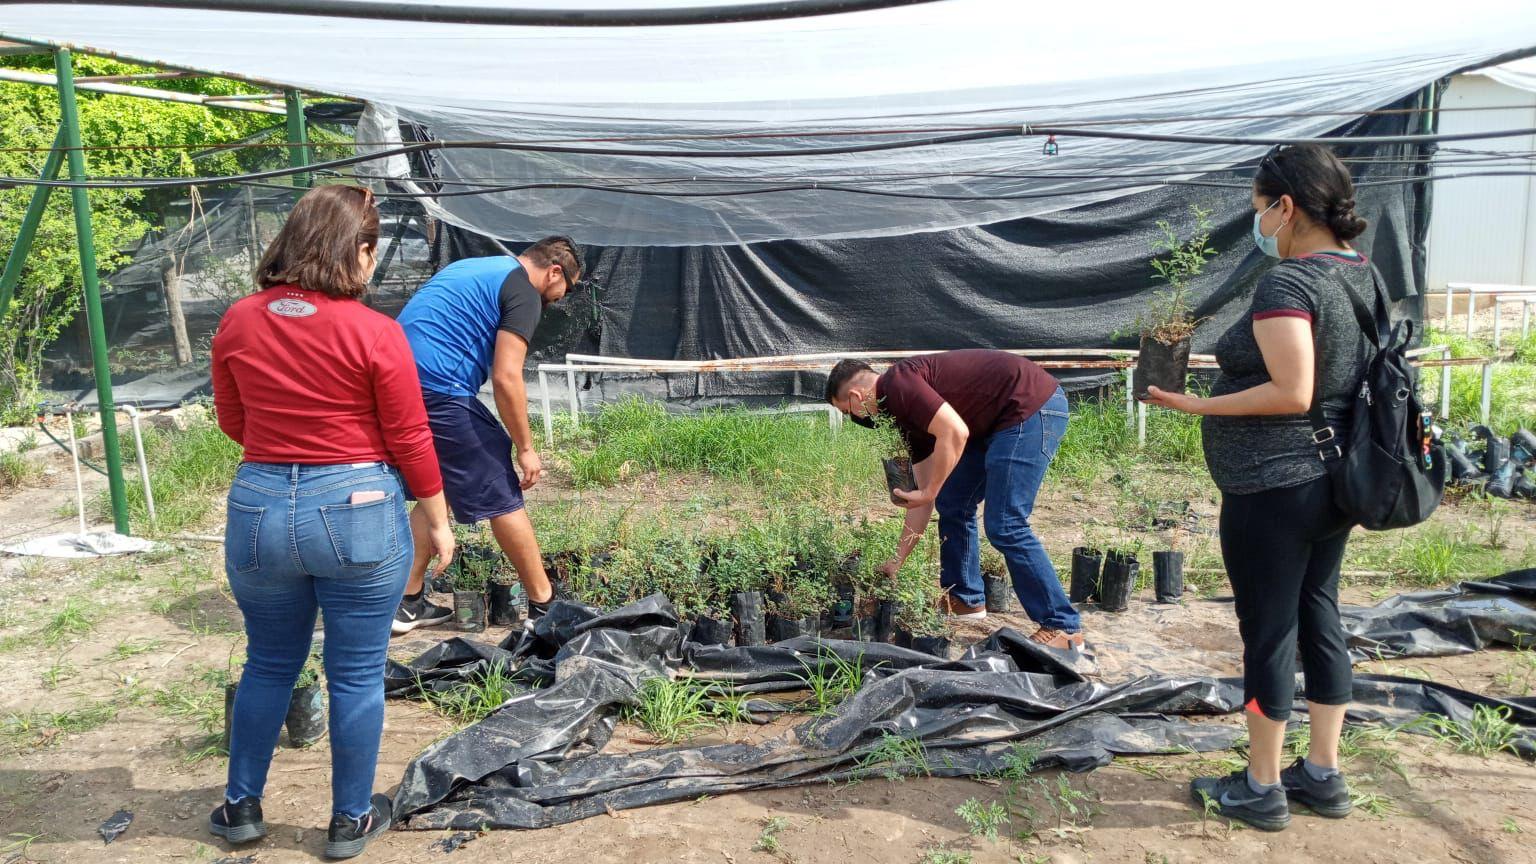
x,y
159,623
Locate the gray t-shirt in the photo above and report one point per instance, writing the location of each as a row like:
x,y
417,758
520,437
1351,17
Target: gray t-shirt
x,y
1253,454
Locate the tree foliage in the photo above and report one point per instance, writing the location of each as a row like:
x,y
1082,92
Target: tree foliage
x,y
48,296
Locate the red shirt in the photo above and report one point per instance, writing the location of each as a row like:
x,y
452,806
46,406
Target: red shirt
x,y
990,390
300,376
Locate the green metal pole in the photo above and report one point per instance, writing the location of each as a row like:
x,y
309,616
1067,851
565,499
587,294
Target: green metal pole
x,y
298,136
29,223
70,123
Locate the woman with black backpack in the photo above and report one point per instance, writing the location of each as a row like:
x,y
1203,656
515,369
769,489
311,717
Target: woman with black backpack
x,y
1282,530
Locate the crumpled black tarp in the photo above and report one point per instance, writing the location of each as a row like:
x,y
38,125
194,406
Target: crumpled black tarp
x,y
536,762
1468,617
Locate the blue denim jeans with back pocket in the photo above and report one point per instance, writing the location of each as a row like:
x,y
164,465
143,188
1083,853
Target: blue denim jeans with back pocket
x,y
1005,470
294,544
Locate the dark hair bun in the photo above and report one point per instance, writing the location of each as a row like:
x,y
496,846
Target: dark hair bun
x,y
1343,221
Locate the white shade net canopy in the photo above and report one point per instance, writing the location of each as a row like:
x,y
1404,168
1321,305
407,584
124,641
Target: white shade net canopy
x,y
699,100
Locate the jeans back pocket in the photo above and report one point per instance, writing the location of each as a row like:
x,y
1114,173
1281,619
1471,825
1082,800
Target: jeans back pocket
x,y
364,535
242,529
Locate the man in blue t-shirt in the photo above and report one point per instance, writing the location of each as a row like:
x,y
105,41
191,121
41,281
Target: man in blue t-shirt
x,y
471,322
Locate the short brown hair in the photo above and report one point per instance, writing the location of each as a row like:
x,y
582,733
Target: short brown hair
x,y
317,248
558,250
842,373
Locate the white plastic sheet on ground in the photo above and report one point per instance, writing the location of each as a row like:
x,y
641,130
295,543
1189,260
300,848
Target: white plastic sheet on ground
x,y
957,63
92,544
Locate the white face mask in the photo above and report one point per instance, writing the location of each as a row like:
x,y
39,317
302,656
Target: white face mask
x,y
1269,245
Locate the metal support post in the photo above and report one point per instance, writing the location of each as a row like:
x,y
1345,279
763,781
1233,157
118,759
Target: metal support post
x,y
1487,404
1445,384
298,137
64,66
549,420
1130,396
29,222
570,383
1141,425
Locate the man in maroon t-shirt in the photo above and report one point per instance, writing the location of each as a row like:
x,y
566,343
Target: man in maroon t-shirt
x,y
981,426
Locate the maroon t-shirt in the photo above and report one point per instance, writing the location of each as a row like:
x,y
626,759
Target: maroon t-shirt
x,y
990,390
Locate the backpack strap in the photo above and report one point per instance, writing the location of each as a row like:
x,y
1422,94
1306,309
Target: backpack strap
x,y
1375,324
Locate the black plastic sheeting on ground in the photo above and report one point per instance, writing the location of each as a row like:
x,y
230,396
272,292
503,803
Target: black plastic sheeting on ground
x,y
1469,617
536,762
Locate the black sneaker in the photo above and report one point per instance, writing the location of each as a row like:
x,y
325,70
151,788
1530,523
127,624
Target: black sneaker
x,y
348,836
1234,799
415,612
239,822
537,611
1328,798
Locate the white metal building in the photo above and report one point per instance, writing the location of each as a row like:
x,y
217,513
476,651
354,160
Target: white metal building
x,y
1484,230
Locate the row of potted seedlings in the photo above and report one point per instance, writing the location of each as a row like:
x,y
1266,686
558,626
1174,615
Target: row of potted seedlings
x,y
1109,578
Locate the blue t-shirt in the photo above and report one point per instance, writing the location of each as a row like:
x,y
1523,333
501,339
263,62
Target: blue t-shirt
x,y
452,321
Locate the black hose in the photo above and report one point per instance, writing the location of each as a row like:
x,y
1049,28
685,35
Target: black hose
x,y
65,447
444,13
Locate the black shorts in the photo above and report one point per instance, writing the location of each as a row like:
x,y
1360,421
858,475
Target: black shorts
x,y
474,453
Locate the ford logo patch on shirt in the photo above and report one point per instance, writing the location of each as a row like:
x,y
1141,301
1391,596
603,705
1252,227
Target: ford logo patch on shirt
x,y
289,307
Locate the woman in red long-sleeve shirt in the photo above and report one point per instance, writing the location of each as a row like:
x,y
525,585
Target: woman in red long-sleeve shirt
x,y
321,392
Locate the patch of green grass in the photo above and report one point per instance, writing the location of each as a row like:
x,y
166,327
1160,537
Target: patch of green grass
x,y
1374,803
17,470
1510,826
831,680
189,470
635,436
133,648
674,710
1487,732
946,856
198,699
477,698
74,618
1431,555
768,838
43,728
983,820
896,758
57,674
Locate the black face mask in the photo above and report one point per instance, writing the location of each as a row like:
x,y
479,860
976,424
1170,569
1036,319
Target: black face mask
x,y
866,422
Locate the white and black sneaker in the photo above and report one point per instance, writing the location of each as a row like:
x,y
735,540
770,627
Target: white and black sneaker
x,y
348,836
415,612
238,821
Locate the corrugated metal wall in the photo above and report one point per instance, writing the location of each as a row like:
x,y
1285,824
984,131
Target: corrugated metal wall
x,y
1484,230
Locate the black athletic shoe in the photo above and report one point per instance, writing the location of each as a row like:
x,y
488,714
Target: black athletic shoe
x,y
537,611
415,612
1235,800
239,822
1329,798
348,836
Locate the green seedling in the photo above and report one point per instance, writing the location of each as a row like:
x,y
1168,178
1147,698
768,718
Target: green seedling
x,y
1510,826
894,758
768,838
58,673
983,820
831,680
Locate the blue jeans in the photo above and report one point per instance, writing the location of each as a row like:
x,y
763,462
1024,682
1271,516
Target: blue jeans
x,y
1006,471
294,543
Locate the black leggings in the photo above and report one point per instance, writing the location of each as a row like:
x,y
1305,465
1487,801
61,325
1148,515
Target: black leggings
x,y
1282,549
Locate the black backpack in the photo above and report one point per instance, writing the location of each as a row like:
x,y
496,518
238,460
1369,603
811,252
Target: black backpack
x,y
1390,471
